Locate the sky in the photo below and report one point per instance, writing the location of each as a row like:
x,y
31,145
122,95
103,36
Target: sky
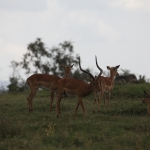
x,y
116,31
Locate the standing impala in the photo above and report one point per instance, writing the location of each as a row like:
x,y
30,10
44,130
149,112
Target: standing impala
x,y
76,87
147,100
47,81
106,84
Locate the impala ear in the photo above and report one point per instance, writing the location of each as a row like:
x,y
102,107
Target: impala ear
x,y
71,66
108,67
117,66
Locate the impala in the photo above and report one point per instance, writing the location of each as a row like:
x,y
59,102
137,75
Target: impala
x,y
106,84
76,87
147,100
47,81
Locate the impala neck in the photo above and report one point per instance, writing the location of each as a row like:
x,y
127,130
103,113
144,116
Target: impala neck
x,y
66,75
112,77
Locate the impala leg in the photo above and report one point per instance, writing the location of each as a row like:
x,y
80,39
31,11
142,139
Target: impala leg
x,y
57,107
109,94
100,97
52,98
83,109
78,103
105,99
30,98
59,97
95,96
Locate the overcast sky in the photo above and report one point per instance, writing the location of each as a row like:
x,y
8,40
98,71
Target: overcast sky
x,y
117,31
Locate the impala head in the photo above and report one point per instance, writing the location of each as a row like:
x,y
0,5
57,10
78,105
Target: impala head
x,y
93,81
67,70
147,98
113,70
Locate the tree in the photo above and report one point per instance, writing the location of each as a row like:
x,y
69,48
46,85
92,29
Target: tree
x,y
125,72
36,58
142,79
40,59
16,82
63,54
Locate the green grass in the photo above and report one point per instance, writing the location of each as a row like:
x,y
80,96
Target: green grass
x,y
125,126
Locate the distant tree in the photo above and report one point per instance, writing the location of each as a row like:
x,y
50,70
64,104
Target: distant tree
x,y
40,59
63,54
126,76
16,82
13,86
142,79
36,58
125,72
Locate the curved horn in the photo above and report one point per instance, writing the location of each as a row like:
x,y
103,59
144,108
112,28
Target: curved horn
x,y
85,71
101,71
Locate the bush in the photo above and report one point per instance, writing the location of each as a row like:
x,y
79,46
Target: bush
x,y
130,90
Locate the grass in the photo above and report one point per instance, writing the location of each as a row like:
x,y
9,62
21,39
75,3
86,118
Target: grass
x,y
125,126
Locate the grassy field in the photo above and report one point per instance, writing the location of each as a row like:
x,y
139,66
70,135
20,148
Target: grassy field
x,y
125,126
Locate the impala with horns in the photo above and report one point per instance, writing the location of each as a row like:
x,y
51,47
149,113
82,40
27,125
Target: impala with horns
x,y
47,81
78,88
147,100
106,84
